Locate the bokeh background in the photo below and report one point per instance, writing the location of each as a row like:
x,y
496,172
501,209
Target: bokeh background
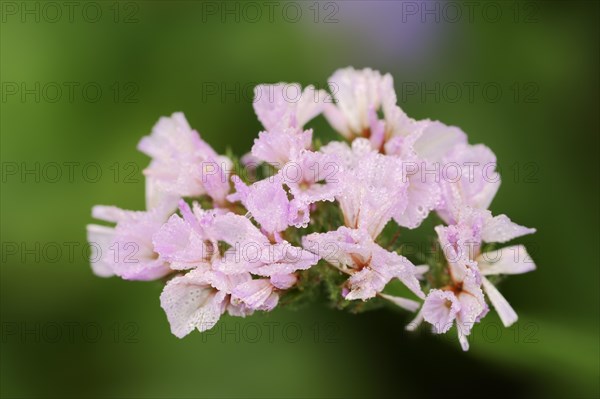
x,y
82,83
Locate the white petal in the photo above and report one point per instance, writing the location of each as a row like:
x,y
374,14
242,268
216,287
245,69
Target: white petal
x,y
108,213
501,229
420,270
156,196
190,305
416,322
100,239
311,104
437,140
404,303
505,311
509,260
464,342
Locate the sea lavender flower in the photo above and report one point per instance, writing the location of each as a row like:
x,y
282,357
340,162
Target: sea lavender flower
x,y
268,203
183,165
462,299
126,250
284,109
469,180
265,255
324,208
372,186
358,97
506,261
370,266
197,300
313,177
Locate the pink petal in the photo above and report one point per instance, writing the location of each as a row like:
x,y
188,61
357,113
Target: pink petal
x,y
505,311
190,303
440,309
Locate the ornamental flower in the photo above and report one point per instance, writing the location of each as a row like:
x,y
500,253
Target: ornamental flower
x,y
462,299
326,217
186,243
506,261
183,165
357,95
283,105
126,250
197,300
370,266
470,179
372,186
255,253
313,177
268,203
284,109
462,302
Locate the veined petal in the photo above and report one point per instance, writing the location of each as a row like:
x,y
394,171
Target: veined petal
x,y
440,309
283,281
508,260
191,303
157,196
505,311
257,294
437,140
100,239
237,230
355,91
278,147
404,303
416,322
311,104
501,229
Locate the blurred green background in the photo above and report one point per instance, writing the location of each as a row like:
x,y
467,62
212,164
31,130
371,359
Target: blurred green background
x,y
82,83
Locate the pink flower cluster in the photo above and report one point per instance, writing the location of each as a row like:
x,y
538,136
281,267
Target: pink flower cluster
x,y
236,255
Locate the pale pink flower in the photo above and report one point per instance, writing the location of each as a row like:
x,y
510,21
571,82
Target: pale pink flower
x,y
186,243
251,251
468,178
463,299
182,163
283,109
313,177
258,294
278,147
370,266
437,140
422,146
358,96
197,300
268,204
464,302
283,105
507,260
423,190
372,186
394,135
126,250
